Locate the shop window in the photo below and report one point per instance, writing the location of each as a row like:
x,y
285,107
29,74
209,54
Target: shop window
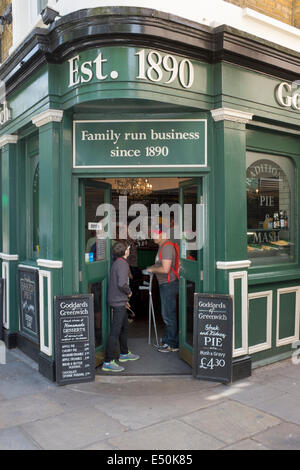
x,y
270,209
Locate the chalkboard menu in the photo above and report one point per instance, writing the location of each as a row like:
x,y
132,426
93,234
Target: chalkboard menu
x,y
213,330
1,307
29,302
74,339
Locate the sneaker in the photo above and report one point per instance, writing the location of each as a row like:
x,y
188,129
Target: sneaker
x,y
128,357
112,366
165,348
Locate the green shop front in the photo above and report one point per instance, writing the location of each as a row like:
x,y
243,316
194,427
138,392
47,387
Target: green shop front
x,y
121,96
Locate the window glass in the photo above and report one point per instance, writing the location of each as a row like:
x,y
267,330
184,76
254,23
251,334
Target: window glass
x,y
35,213
270,209
32,216
190,201
41,4
94,237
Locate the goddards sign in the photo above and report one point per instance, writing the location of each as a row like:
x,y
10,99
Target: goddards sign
x,y
159,143
288,95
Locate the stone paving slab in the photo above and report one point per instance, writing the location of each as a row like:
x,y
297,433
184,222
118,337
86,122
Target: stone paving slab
x,y
145,386
15,439
230,421
100,446
159,412
285,407
73,430
285,436
14,369
247,391
246,444
285,384
137,412
171,435
26,409
22,384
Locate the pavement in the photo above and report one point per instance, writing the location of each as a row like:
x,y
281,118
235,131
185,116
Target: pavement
x,y
150,412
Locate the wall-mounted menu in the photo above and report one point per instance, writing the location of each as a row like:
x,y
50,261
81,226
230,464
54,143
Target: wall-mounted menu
x,y
213,330
75,349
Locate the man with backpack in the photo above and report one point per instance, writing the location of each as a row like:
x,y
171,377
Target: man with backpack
x,y
166,270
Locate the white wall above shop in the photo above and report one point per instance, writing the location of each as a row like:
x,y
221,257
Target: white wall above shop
x,y
209,12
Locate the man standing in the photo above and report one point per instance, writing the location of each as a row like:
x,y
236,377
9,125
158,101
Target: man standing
x,y
166,271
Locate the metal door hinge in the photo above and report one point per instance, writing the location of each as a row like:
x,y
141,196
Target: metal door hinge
x,y
201,275
80,201
80,276
201,200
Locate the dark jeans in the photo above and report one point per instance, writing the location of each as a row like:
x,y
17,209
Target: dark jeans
x,y
118,331
168,296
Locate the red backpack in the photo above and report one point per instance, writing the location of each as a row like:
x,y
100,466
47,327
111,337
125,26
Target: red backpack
x,y
176,270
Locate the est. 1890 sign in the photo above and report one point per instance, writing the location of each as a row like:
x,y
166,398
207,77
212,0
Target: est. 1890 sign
x,y
213,331
178,143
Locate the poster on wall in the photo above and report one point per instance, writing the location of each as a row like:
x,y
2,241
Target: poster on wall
x,y
213,336
28,280
74,339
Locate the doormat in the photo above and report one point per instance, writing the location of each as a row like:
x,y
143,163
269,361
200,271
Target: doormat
x,y
151,361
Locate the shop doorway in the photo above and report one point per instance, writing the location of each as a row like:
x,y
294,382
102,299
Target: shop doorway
x,y
99,229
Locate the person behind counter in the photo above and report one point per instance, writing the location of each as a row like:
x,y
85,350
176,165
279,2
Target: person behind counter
x,y
118,294
166,271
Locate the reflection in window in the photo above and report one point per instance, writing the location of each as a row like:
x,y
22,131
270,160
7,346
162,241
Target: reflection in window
x,y
270,209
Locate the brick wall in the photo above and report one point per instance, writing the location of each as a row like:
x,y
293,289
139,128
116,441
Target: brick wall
x,y
282,10
6,37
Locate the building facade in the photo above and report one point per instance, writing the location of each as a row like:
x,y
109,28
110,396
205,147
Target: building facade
x,y
231,96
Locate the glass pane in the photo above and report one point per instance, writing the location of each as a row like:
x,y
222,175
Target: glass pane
x,y
270,210
94,239
41,4
190,291
35,213
189,210
96,289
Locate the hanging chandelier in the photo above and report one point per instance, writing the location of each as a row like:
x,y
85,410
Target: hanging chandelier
x,y
135,187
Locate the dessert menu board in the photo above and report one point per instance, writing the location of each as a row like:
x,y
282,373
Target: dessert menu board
x,y
75,343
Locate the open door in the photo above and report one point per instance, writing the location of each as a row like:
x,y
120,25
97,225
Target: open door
x,y
95,254
191,262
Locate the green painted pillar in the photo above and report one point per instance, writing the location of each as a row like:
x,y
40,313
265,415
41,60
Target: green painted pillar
x,y
9,254
68,252
231,217
49,124
50,261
